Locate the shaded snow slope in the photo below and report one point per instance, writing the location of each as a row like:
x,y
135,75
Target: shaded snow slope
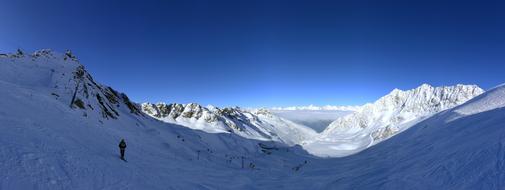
x,y
386,117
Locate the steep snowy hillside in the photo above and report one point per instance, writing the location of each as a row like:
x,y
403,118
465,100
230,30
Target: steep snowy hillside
x,y
63,78
386,117
257,124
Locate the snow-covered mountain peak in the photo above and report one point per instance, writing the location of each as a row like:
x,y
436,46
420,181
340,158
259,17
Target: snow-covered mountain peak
x,y
395,91
425,98
48,53
389,115
426,85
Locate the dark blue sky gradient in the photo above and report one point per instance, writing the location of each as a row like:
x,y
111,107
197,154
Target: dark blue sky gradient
x,y
267,53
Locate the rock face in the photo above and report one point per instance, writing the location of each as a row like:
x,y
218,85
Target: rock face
x,y
393,113
256,124
179,111
69,82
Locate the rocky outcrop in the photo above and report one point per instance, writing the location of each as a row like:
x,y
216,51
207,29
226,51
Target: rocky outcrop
x,y
257,124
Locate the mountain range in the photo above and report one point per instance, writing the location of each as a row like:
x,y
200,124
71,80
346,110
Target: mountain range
x,y
60,129
365,126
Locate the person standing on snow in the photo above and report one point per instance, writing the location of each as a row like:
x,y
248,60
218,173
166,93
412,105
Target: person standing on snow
x,y
122,147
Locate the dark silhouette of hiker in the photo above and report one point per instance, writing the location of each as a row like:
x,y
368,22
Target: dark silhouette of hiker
x,y
122,147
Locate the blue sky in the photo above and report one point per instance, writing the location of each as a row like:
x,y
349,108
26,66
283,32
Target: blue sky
x,y
267,53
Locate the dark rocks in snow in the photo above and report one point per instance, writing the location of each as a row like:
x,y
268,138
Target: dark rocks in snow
x,y
110,94
90,79
252,165
267,149
105,112
69,54
132,106
79,103
299,166
79,72
19,53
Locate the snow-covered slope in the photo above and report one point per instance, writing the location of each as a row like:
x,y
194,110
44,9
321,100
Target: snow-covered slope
x,y
255,124
386,117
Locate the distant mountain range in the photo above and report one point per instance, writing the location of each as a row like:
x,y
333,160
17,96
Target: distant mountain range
x,y
355,128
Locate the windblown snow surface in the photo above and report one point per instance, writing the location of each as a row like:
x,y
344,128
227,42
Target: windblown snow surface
x,y
46,144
